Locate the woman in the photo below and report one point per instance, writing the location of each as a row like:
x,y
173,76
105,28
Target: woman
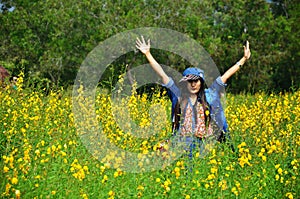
x,y
197,112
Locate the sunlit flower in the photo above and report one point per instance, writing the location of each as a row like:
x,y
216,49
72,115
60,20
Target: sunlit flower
x,y
5,169
111,193
289,195
18,194
14,180
280,171
223,185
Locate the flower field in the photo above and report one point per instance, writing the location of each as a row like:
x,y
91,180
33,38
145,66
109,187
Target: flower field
x,y
42,155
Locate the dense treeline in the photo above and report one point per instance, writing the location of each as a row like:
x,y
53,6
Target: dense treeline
x,y
50,39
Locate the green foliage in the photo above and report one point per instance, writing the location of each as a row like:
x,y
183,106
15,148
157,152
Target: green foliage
x,y
43,156
54,37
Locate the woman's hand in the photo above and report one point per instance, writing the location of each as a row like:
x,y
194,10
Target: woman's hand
x,y
145,48
142,45
247,52
235,67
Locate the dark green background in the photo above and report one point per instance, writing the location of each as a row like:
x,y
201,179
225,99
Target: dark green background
x,y
49,39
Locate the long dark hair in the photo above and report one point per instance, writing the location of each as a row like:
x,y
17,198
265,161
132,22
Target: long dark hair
x,y
201,98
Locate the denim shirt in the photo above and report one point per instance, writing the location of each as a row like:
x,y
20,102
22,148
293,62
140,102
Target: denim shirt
x,y
213,95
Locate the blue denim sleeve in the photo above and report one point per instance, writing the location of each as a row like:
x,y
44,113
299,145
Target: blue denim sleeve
x,y
172,87
173,93
213,95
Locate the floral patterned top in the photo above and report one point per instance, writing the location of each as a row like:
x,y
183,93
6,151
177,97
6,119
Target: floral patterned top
x,y
190,126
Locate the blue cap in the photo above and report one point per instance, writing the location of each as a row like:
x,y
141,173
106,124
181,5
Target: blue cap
x,y
193,71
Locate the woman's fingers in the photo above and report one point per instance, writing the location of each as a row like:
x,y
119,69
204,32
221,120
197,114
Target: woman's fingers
x,y
247,46
138,41
247,52
143,40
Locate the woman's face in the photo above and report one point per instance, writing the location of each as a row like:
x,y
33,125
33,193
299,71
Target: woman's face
x,y
194,86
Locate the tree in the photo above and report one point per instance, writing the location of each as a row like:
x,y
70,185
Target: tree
x,y
287,14
52,38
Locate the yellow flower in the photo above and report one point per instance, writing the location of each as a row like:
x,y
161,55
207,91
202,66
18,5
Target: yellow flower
x,y
14,180
85,196
280,171
85,168
238,185
289,195
213,170
18,194
294,162
168,189
223,185
234,190
111,193
206,186
140,187
177,169
167,182
5,169
37,177
210,176
116,174
23,130
207,112
242,145
105,178
213,161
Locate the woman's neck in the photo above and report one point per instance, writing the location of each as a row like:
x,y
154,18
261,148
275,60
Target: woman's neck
x,y
193,98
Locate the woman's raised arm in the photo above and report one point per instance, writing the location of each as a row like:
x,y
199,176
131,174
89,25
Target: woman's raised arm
x,y
145,49
236,67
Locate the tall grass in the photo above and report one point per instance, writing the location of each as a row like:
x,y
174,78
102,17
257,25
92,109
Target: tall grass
x,y
42,155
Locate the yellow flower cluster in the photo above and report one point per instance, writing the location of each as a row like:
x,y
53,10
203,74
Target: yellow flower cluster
x,y
78,171
166,185
28,119
245,155
43,155
213,170
272,121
